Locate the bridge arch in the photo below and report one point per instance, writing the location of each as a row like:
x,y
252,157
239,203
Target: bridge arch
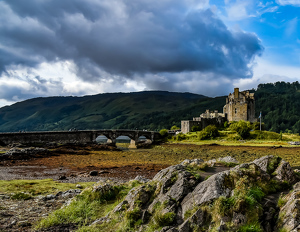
x,y
82,136
101,139
134,135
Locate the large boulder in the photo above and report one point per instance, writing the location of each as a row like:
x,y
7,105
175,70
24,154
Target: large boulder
x,y
268,163
277,168
289,215
214,187
228,159
175,183
285,173
176,199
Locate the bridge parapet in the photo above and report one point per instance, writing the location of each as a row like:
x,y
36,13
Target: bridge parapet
x,y
82,136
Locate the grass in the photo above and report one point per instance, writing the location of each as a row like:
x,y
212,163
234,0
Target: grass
x,y
175,153
21,196
253,227
246,199
87,207
37,187
281,202
231,138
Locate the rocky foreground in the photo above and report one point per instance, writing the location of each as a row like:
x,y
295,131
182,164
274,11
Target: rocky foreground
x,y
262,195
259,196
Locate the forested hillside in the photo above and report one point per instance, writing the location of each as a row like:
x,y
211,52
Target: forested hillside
x,y
151,110
280,106
143,110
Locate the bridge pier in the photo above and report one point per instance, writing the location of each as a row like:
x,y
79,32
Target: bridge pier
x,y
133,144
111,141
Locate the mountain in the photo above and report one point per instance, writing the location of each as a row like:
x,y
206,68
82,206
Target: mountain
x,y
151,110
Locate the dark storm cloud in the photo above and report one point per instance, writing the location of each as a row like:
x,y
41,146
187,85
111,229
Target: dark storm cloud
x,y
123,37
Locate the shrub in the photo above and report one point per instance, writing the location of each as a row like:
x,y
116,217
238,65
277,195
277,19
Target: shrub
x,y
196,128
164,219
21,196
256,126
209,132
180,137
164,133
175,127
212,130
268,135
133,216
225,124
242,128
234,137
203,135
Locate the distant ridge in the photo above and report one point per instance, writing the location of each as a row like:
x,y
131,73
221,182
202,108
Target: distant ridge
x,y
107,110
152,110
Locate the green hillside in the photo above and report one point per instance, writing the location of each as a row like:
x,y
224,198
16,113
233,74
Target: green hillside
x,y
280,106
142,110
151,110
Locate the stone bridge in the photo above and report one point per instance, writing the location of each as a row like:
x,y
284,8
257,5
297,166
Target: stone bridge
x,y
81,136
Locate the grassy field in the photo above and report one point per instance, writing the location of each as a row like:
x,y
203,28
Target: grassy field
x,y
227,137
37,187
156,158
173,153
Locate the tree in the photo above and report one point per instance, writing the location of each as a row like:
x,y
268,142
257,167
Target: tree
x,y
209,132
175,127
242,128
164,133
196,128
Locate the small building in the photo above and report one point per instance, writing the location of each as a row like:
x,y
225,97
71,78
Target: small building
x,y
239,106
187,125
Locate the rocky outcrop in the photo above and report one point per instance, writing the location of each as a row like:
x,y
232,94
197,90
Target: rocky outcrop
x,y
289,215
214,187
285,173
178,199
228,159
26,153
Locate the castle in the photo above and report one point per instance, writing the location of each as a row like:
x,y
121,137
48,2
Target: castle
x,y
239,106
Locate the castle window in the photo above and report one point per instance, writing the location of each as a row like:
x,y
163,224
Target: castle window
x,y
235,110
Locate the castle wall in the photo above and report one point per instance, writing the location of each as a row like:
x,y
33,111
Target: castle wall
x,y
186,126
251,112
238,111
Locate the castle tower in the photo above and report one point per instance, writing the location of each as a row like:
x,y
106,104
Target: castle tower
x,y
240,106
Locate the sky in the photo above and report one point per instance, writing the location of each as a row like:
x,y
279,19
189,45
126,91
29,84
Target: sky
x,y
86,47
